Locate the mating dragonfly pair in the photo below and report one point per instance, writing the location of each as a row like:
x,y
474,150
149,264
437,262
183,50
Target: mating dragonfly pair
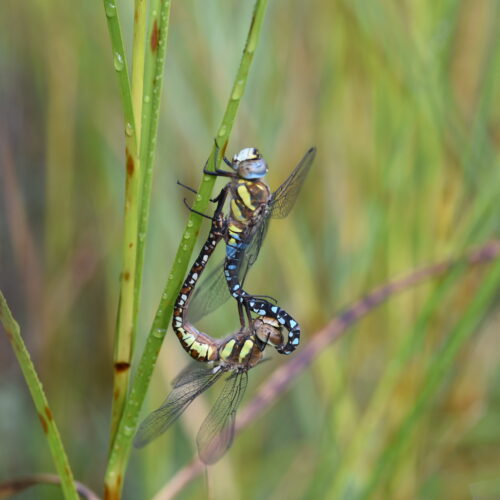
x,y
251,206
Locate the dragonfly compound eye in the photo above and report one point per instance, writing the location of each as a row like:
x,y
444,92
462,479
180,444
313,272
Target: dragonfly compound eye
x,y
268,330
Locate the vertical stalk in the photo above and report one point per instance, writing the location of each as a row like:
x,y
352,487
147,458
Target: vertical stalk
x,y
138,54
125,323
39,398
155,50
121,448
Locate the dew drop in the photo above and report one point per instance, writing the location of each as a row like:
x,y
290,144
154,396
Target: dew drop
x,y
129,130
190,223
198,197
238,90
147,98
142,236
187,235
128,430
159,332
110,9
118,61
222,131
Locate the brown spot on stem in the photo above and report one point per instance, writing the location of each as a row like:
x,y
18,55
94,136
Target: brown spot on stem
x,y
155,37
126,275
45,427
130,245
107,494
116,393
130,163
48,413
122,366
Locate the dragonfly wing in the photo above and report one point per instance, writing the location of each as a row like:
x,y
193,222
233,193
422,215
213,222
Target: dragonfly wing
x,y
209,295
217,430
284,197
187,387
213,290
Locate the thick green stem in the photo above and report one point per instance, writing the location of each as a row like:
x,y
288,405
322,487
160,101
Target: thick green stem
x,y
42,406
154,66
125,323
138,54
123,442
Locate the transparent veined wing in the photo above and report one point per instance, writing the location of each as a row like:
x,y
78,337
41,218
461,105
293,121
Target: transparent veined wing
x,y
280,205
217,430
284,197
209,294
212,292
188,385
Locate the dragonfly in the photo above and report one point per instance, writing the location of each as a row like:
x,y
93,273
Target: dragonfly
x,y
234,355
251,207
199,345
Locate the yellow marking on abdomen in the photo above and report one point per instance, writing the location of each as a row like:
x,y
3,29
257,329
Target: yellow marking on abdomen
x,y
188,338
200,349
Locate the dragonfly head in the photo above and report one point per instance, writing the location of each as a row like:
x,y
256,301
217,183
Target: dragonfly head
x,y
249,164
268,330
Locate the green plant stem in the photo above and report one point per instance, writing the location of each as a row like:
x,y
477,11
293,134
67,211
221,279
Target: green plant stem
x,y
439,368
41,404
154,66
138,54
125,323
128,424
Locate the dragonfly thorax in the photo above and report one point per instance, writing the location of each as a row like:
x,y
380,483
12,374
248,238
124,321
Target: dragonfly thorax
x,y
249,164
240,352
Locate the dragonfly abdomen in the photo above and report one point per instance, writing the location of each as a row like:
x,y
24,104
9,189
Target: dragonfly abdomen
x,y
198,345
260,306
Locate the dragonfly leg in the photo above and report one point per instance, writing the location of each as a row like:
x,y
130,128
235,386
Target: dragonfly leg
x,y
261,344
242,317
220,199
272,299
217,171
227,161
191,209
249,315
179,183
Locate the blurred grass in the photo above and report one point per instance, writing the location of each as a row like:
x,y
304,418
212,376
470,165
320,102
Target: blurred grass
x,y
401,99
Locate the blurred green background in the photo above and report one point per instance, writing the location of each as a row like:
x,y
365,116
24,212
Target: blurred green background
x,y
402,100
